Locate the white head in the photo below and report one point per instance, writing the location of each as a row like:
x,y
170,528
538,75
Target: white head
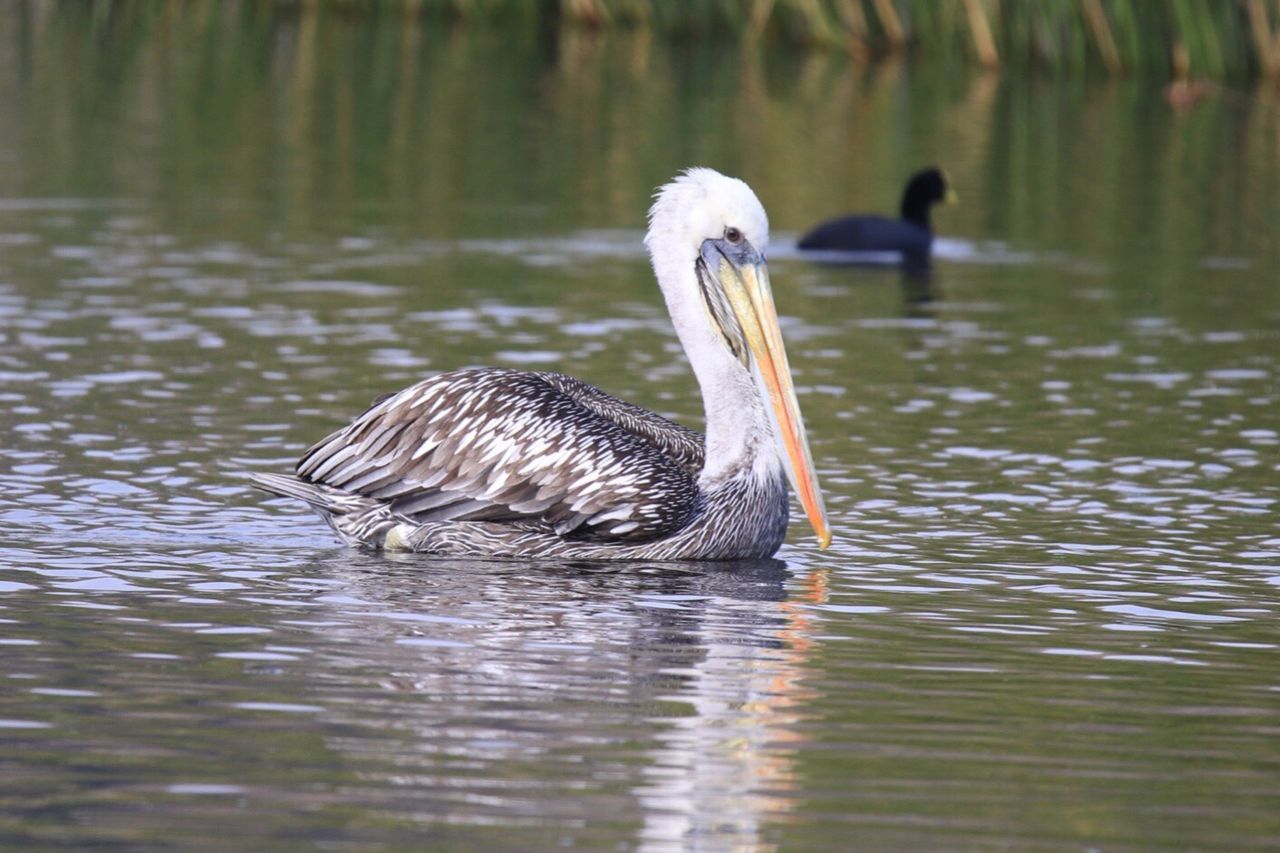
x,y
700,204
706,239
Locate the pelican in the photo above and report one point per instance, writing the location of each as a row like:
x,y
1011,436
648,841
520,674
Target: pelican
x,y
489,463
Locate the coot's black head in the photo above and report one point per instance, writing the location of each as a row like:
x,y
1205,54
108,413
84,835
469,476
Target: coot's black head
x,y
925,189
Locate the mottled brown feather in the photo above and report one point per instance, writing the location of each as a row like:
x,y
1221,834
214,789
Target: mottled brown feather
x,y
508,445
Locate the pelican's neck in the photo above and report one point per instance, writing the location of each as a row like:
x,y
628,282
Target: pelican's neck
x,y
739,432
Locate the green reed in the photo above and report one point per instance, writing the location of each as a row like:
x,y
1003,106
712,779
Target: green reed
x,y
1217,39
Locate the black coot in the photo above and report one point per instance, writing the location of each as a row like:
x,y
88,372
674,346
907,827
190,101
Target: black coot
x,y
911,234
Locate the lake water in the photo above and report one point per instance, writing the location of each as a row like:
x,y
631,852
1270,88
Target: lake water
x,y
1049,616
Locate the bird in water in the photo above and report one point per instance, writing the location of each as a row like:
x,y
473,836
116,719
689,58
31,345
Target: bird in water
x,y
503,463
911,235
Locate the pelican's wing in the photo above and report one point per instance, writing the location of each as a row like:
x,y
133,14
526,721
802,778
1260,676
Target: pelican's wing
x,y
684,445
505,445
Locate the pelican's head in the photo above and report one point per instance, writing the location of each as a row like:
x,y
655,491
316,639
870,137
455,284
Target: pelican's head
x,y
707,237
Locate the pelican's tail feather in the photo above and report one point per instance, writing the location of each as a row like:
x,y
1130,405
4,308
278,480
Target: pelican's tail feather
x,y
358,520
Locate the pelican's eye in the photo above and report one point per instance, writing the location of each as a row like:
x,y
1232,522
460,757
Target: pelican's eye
x,y
733,235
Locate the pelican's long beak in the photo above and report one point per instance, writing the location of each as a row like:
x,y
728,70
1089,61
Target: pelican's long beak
x,y
746,284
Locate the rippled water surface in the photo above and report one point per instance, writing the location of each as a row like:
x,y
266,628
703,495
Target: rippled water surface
x,y
1048,620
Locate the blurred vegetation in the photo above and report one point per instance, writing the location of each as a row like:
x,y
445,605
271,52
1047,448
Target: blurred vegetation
x,y
247,121
1219,39
1176,39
